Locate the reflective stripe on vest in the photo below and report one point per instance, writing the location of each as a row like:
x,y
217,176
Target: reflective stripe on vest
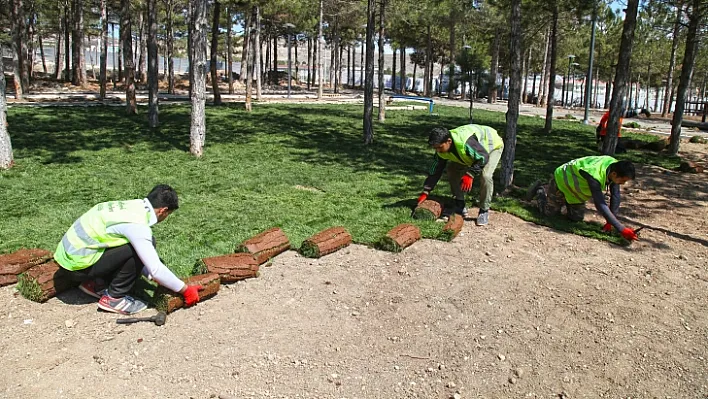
x,y
484,134
573,185
84,243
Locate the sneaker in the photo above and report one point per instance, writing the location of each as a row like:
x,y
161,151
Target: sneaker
x,y
542,200
94,288
125,305
482,218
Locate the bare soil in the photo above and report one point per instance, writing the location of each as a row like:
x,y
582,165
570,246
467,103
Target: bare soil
x,y
509,310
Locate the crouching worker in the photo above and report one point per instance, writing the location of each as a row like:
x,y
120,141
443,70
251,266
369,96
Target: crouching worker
x,y
109,246
575,182
466,151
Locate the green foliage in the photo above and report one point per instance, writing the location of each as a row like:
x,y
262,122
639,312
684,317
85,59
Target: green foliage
x,y
632,125
698,140
69,159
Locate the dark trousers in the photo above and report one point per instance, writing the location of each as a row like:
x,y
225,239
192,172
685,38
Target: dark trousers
x,y
118,266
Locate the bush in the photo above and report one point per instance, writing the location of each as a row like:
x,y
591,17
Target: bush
x,y
633,125
698,140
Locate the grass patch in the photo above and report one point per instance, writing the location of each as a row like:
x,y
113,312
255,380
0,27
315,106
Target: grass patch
x,y
632,125
29,288
309,250
251,176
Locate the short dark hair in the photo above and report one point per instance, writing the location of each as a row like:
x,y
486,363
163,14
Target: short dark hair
x,y
163,196
623,169
438,136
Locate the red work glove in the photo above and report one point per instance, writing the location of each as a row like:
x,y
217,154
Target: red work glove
x,y
466,183
422,198
191,294
607,228
629,234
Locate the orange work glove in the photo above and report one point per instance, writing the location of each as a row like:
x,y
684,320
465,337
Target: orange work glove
x,y
191,294
422,198
466,183
607,228
629,234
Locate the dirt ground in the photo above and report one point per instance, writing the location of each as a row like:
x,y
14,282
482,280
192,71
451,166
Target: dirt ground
x,y
511,310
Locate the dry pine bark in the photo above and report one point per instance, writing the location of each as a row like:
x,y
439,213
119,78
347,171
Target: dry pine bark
x,y
265,245
232,267
11,265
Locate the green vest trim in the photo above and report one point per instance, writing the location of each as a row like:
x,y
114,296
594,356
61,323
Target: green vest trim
x,y
87,239
573,185
486,136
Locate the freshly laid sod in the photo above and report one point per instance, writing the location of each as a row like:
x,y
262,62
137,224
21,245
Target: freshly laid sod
x,y
300,167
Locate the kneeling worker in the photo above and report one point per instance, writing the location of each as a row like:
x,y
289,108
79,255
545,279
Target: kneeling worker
x,y
466,151
579,180
112,244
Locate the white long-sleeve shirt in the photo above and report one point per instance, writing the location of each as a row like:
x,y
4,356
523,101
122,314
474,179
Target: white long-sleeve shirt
x,y
140,237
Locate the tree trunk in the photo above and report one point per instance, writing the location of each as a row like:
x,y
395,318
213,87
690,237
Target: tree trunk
x,y
276,80
689,57
121,71
332,55
249,59
339,65
361,67
621,77
214,52
229,49
309,62
57,52
369,80
382,32
23,55
524,76
297,63
170,46
190,42
244,49
545,70
415,71
41,53
18,60
512,114
493,70
129,63
404,77
319,51
257,55
314,63
428,64
78,75
6,159
394,71
152,77
551,81
451,76
140,46
608,90
104,48
672,63
200,25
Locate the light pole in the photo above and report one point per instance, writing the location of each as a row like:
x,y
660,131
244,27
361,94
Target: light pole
x,y
288,26
571,57
572,90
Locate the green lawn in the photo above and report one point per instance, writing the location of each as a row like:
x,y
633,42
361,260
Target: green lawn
x,y
300,167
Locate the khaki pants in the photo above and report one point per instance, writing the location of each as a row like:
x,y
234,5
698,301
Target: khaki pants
x,y
455,171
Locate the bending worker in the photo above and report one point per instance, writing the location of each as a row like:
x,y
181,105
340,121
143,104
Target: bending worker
x,y
466,151
579,180
109,246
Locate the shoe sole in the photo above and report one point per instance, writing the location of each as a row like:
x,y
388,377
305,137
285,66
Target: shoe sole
x,y
112,310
